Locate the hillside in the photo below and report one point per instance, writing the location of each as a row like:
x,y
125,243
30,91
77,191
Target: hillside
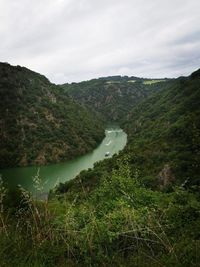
x,y
39,122
112,97
164,133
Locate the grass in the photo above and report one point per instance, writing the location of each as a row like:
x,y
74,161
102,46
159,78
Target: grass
x,y
149,82
110,82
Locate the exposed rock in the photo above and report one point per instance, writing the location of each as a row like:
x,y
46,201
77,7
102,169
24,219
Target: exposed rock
x,y
166,176
40,160
23,161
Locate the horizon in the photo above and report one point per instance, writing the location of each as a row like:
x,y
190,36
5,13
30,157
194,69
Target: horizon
x,y
103,77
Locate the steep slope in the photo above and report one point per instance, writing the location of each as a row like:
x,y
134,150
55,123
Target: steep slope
x,y
39,122
113,97
164,133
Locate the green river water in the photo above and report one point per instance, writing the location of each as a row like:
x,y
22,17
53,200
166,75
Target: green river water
x,y
50,175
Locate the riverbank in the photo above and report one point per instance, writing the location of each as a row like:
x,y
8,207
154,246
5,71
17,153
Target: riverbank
x,y
50,175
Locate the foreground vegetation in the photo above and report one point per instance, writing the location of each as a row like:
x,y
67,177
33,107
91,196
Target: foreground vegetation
x,y
119,223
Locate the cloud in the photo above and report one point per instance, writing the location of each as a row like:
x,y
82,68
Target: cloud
x,y
77,40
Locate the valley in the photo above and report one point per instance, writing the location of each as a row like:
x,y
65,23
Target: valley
x,y
124,196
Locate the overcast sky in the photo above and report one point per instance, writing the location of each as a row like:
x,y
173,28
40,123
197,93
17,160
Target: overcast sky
x,y
74,40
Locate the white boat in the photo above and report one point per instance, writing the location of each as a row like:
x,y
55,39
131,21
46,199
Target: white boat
x,y
107,154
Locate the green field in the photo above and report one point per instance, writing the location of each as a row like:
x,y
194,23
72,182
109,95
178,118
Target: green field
x,y
149,82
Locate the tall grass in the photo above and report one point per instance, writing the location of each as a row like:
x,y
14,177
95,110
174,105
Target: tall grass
x,y
120,224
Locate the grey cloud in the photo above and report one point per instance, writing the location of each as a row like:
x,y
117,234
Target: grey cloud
x,y
193,37
77,40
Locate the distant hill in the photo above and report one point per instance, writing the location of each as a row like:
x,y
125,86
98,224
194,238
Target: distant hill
x,y
114,96
39,122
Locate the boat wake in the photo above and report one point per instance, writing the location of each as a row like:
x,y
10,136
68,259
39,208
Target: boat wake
x,y
108,143
114,131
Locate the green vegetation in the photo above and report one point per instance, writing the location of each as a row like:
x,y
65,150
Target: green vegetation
x,y
39,122
119,223
112,97
164,130
153,81
140,208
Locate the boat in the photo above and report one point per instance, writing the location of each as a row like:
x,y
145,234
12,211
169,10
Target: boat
x,y
107,154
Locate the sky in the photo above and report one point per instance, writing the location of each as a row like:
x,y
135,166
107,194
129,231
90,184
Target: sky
x,y
76,40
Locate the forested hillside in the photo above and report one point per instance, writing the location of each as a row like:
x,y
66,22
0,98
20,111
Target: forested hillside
x,y
164,133
113,97
39,122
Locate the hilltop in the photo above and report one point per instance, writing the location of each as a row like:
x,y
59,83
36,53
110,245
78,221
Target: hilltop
x,y
113,96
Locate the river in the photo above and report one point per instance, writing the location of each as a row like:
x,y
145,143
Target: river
x,y
50,175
